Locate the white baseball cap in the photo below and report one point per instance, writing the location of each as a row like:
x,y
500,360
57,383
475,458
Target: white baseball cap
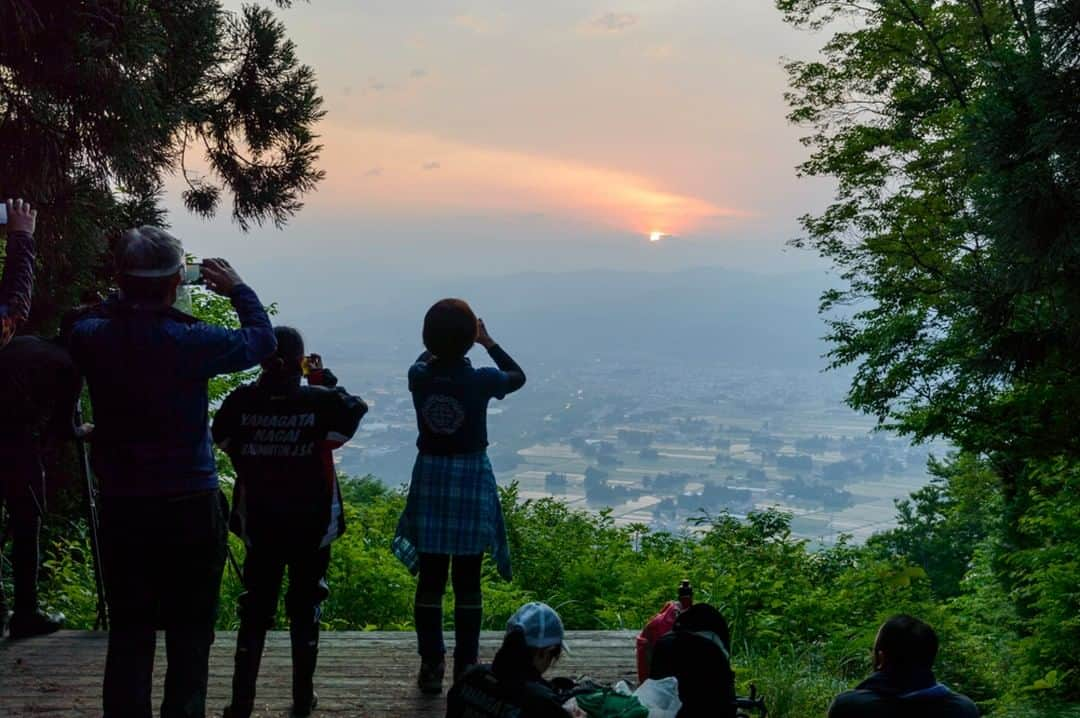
x,y
540,624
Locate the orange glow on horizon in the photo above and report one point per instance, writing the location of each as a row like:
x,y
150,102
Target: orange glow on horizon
x,y
379,170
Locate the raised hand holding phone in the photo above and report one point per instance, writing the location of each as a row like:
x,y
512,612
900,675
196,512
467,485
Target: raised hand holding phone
x,y
18,216
220,277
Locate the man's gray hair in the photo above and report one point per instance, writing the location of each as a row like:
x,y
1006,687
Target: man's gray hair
x,y
148,252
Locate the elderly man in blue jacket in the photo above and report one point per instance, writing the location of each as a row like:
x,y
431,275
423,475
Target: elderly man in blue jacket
x,y
162,520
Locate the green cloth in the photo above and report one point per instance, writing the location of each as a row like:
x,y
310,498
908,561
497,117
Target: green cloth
x,y
609,704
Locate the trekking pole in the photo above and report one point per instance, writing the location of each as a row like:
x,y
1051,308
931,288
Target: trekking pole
x,y
102,620
3,561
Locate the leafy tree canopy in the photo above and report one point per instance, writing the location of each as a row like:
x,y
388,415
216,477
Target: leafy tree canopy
x,y
101,100
952,129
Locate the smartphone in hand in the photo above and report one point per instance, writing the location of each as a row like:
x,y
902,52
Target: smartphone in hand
x,y
193,273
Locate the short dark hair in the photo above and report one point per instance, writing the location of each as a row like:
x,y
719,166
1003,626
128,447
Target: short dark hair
x,y
907,642
290,345
449,329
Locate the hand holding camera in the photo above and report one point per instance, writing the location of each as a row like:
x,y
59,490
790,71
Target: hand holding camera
x,y
219,276
312,363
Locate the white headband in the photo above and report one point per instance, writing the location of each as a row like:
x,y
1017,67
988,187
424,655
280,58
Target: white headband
x,y
154,273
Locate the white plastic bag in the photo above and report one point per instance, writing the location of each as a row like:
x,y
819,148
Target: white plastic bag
x,y
572,708
661,697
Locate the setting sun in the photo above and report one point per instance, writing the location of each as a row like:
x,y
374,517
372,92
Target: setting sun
x,y
656,236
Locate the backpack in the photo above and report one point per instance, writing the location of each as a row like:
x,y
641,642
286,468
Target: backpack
x,y
697,652
658,626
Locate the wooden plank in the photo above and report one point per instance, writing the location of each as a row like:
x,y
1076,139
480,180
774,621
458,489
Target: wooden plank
x,y
359,674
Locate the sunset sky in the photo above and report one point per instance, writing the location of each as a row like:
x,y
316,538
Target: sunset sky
x,y
545,134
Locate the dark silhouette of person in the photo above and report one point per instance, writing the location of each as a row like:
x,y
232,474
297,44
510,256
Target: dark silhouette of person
x,y
697,652
513,686
287,506
39,386
163,524
903,683
452,509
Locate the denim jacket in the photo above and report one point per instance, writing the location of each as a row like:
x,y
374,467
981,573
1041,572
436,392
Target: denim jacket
x,y
147,369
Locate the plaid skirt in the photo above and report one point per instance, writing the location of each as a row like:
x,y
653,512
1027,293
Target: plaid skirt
x,y
452,508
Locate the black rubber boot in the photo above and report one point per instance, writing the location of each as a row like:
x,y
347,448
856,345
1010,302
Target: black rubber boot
x,y
28,625
305,653
249,649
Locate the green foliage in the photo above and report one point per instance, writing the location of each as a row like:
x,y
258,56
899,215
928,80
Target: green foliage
x,y
803,621
952,132
98,105
943,523
1046,574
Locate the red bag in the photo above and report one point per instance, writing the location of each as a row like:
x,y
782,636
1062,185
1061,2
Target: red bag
x,y
658,626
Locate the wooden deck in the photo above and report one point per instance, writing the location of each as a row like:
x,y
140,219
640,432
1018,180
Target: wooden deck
x,y
360,674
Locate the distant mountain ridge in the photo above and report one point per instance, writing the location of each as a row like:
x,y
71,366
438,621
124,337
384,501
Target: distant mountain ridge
x,y
709,315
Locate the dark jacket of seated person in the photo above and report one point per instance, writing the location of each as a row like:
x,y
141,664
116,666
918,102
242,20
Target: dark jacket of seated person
x,y
480,694
281,437
514,686
884,696
903,684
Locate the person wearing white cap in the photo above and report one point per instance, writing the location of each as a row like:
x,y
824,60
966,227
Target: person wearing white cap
x,y
513,685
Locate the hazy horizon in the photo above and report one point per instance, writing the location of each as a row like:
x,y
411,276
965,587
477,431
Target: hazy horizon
x,y
463,138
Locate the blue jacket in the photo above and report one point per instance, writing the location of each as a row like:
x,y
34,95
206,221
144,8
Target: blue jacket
x,y
883,695
451,400
147,370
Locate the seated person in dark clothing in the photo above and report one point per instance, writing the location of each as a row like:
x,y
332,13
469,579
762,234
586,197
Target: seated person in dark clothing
x,y
903,682
286,505
513,685
697,652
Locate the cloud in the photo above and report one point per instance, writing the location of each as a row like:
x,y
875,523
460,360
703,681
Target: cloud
x,y
475,24
612,22
478,179
663,51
